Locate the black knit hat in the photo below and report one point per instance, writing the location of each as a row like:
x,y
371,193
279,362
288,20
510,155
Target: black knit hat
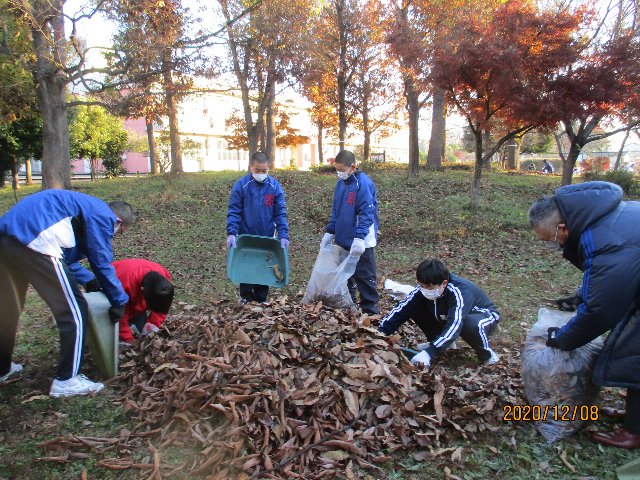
x,y
157,291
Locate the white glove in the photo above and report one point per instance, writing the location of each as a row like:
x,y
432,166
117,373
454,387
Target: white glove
x,y
423,357
357,247
231,241
326,240
148,329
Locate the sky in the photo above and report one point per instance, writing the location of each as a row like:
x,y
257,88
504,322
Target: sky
x,y
98,31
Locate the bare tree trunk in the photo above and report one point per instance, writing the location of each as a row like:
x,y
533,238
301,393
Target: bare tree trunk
x,y
94,166
242,74
435,154
569,163
151,140
27,165
486,145
172,112
341,78
14,172
51,82
619,156
513,154
578,140
270,147
413,107
477,172
320,135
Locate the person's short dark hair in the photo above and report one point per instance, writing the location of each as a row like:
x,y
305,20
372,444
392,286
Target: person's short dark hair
x,y
157,291
545,211
259,157
346,158
432,272
123,211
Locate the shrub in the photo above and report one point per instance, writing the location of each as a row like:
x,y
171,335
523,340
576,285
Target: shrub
x,y
288,168
466,167
625,179
381,166
324,168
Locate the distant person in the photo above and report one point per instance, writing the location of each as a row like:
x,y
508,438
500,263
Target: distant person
x,y
547,167
257,207
445,306
354,226
531,167
39,237
148,285
599,234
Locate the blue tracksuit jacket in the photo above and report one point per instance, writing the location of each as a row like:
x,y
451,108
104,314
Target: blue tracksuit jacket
x,y
257,208
604,242
354,213
71,226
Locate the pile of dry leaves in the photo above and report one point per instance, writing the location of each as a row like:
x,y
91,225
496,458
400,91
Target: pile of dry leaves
x,y
292,391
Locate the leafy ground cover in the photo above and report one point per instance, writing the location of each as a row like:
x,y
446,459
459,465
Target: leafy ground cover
x,y
182,225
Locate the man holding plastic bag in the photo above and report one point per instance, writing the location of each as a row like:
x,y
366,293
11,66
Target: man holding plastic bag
x,y
353,226
599,233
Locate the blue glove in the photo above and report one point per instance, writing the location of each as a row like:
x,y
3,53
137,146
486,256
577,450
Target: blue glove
x,y
231,241
284,243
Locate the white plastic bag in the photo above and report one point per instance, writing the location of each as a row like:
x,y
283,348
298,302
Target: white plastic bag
x,y
398,290
329,277
558,383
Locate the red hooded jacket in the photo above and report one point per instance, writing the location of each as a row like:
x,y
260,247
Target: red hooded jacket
x,y
130,273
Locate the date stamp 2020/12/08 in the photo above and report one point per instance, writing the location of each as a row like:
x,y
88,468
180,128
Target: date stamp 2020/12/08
x,y
542,413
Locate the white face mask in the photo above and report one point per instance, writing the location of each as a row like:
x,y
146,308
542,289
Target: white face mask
x,y
343,175
431,294
260,177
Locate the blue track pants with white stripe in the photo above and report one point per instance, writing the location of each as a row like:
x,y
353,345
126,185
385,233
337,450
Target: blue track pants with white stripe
x,y
477,326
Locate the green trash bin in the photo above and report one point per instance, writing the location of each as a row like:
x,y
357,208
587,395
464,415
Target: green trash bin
x,y
629,471
103,335
258,260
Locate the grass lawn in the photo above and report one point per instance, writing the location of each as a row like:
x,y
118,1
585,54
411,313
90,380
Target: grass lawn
x,y
181,224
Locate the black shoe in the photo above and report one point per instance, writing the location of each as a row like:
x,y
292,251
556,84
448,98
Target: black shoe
x,y
371,311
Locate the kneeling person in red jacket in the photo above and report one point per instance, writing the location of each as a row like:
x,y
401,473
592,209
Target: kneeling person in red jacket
x,y
149,287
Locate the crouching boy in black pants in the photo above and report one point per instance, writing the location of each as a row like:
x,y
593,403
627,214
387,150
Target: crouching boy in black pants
x,y
445,307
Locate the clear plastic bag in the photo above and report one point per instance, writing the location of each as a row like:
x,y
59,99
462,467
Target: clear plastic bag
x,y
558,382
329,278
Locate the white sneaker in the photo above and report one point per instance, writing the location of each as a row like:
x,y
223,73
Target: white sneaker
x,y
78,385
493,359
15,368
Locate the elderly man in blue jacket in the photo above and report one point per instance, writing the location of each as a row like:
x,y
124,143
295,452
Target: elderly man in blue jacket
x,y
353,225
600,234
257,207
39,238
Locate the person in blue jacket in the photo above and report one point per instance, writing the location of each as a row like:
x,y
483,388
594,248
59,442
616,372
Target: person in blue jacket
x,y
39,237
600,234
445,306
353,225
257,207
